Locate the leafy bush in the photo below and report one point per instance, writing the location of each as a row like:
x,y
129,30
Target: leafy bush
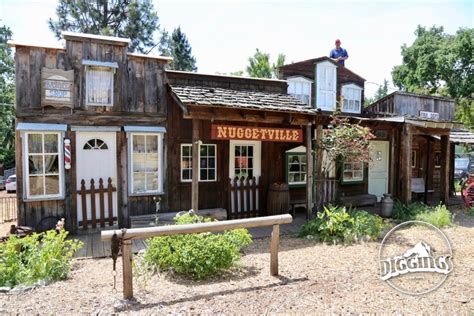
x,y
470,211
195,255
46,256
438,216
336,224
406,212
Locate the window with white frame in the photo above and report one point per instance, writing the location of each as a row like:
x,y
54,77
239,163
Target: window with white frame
x,y
99,86
352,98
353,172
300,88
207,162
296,164
44,174
146,166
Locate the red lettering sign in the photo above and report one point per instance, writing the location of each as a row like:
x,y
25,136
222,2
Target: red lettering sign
x,y
268,134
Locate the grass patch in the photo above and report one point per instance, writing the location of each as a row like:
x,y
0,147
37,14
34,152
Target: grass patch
x,y
336,224
438,216
38,257
196,256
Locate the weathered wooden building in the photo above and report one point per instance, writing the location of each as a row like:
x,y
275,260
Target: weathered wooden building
x,y
91,131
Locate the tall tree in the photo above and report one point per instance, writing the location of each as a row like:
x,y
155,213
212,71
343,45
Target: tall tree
x,y
440,64
178,47
381,90
7,98
134,19
259,65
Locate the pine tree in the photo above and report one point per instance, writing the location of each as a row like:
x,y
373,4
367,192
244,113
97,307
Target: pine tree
x,y
178,47
259,65
133,19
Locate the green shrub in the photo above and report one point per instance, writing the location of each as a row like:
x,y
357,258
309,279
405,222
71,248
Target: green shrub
x,y
46,256
406,212
438,216
195,255
336,224
470,211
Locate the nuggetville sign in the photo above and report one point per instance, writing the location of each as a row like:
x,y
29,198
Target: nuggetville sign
x,y
268,134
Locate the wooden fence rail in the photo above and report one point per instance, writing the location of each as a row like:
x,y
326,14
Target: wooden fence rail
x,y
275,221
8,211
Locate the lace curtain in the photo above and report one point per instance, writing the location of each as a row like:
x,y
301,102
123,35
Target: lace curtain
x,y
99,86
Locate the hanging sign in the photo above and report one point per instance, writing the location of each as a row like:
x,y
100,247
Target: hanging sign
x,y
268,134
57,87
67,154
429,115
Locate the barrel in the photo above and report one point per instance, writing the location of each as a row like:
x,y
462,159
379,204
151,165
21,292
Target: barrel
x,y
278,201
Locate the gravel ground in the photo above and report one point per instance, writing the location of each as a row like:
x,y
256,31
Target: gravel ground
x,y
314,277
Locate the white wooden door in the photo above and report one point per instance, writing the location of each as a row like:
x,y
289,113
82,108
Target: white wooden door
x,y
96,157
326,83
378,173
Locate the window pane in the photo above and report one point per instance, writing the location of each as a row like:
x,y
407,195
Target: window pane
x,y
138,162
151,163
51,143
187,175
152,144
138,144
52,185
203,163
212,163
152,181
51,164
35,165
212,174
212,150
35,144
139,182
250,151
203,174
186,150
36,185
203,150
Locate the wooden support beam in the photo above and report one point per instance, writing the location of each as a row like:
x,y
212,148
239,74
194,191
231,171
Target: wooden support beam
x,y
427,169
309,172
127,269
195,166
319,166
445,168
406,163
274,250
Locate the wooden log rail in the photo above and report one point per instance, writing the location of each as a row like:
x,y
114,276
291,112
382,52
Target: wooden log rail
x,y
129,234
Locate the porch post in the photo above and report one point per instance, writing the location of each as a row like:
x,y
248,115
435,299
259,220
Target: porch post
x,y
445,169
309,172
318,182
195,166
406,163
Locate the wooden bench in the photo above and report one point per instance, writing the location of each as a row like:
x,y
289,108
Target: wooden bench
x,y
359,200
418,186
297,203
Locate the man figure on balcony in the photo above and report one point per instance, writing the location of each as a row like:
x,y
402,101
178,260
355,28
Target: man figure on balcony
x,y
338,54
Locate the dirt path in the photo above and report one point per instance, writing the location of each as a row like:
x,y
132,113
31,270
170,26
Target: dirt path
x,y
314,278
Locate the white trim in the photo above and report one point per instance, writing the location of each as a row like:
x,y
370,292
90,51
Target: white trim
x,y
165,58
97,37
299,78
41,127
303,81
160,164
144,129
199,158
95,128
26,174
352,85
344,91
257,155
112,73
299,149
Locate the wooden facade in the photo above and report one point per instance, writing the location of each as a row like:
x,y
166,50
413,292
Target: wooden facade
x,y
139,99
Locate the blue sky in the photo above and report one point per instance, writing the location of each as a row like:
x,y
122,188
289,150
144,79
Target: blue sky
x,y
223,34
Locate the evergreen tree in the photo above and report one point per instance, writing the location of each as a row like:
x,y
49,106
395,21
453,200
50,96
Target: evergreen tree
x,y
7,99
178,47
133,19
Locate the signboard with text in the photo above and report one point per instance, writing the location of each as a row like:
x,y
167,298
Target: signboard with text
x,y
429,115
57,88
268,134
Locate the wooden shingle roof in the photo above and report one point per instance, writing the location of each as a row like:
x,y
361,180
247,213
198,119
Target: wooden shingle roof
x,y
242,99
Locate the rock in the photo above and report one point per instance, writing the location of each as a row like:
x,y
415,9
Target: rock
x,y
5,289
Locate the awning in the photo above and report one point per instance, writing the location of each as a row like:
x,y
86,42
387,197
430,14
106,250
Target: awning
x,y
41,127
144,129
99,63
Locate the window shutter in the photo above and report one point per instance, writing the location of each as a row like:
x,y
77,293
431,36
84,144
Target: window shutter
x,y
326,86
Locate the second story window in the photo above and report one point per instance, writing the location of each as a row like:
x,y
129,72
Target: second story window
x,y
326,83
99,83
352,98
300,88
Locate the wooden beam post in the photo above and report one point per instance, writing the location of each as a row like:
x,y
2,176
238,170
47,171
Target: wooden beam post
x,y
319,166
309,172
445,169
195,166
274,250
406,163
427,169
127,269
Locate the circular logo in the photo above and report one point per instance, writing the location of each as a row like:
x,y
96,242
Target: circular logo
x,y
415,258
